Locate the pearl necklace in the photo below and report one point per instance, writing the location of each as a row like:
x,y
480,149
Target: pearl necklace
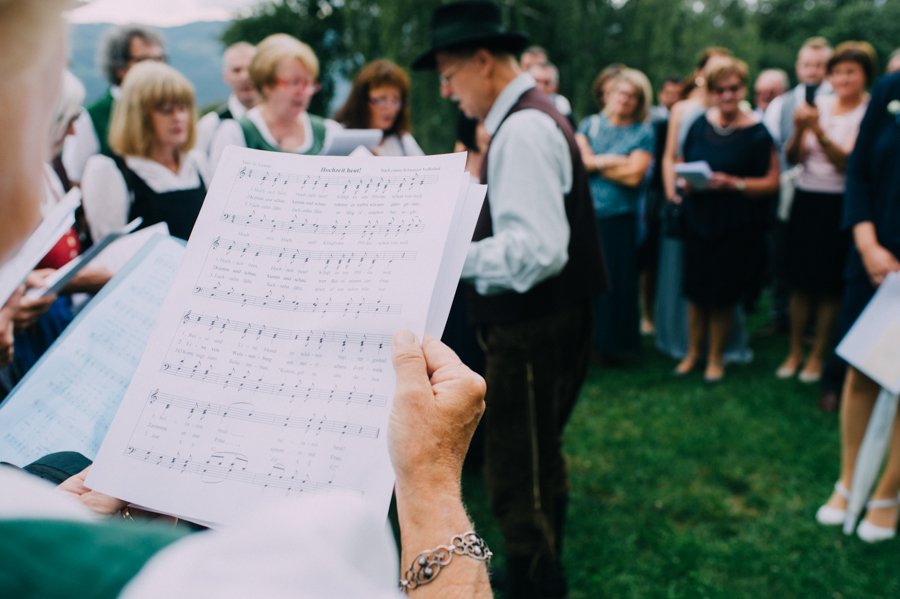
x,y
724,130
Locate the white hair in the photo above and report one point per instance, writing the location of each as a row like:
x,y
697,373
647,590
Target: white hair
x,y
68,106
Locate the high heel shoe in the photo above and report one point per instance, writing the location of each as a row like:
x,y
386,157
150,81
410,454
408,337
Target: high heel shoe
x,y
872,533
833,516
809,378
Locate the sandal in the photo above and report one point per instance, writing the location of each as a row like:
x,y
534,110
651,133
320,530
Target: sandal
x,y
833,516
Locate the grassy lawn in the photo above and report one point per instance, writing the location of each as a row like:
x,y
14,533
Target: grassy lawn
x,y
680,490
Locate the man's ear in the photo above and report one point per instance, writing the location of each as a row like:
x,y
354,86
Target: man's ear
x,y
484,61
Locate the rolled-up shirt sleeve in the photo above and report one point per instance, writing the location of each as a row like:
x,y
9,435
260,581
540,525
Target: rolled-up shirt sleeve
x,y
529,173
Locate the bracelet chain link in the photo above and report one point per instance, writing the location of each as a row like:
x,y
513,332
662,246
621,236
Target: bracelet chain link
x,y
426,566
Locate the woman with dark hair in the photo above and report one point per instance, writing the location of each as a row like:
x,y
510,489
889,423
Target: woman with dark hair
x,y
379,99
872,212
721,242
823,138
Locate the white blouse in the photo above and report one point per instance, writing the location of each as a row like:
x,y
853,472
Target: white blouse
x,y
819,174
105,195
231,134
396,145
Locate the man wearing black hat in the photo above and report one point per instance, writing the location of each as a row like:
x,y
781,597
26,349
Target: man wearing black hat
x,y
534,264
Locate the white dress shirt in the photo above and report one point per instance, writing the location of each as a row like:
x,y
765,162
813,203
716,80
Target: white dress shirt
x,y
529,173
209,123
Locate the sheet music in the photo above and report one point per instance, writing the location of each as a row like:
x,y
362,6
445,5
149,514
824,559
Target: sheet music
x,y
54,225
120,252
873,343
344,142
696,173
68,399
59,279
269,372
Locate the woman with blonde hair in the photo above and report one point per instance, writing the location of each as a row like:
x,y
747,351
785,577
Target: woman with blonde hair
x,y
721,241
284,71
153,174
379,99
616,148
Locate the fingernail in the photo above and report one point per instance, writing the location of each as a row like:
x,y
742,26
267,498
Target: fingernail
x,y
404,337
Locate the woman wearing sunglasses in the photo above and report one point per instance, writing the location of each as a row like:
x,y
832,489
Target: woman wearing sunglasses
x,y
723,242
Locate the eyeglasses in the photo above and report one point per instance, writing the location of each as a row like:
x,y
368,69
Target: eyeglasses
x,y
309,85
447,75
387,102
170,108
731,88
153,58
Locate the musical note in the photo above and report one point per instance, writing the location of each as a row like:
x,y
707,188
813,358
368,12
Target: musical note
x,y
227,466
373,340
283,303
249,414
340,258
390,227
247,383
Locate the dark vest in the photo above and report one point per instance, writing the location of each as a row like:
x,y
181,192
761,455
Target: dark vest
x,y
178,209
101,112
583,276
224,112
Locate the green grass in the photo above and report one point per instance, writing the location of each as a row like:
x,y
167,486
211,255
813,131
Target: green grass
x,y
680,490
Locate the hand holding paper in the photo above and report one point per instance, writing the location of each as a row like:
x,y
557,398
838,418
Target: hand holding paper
x,y
696,174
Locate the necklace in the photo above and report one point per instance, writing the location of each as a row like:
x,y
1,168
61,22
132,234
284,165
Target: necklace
x,y
724,130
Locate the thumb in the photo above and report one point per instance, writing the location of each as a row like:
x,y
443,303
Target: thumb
x,y
409,365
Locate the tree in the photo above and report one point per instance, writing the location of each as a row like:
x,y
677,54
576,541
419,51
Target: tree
x,y
659,37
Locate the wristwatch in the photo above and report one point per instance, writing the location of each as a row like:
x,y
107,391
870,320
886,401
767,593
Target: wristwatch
x,y
740,185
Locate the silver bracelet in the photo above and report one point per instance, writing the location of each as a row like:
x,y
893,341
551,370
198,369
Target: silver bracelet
x,y
426,566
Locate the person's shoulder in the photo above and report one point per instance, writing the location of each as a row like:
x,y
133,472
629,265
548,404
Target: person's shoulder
x,y
196,157
529,121
759,133
99,164
104,100
886,90
209,119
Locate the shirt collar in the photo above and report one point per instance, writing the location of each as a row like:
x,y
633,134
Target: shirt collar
x,y
234,105
506,100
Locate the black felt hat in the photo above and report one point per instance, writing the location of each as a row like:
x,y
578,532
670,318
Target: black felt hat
x,y
468,23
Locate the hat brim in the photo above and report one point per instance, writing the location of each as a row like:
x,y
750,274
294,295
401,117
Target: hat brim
x,y
513,41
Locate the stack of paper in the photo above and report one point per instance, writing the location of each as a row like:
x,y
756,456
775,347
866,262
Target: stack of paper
x,y
68,399
269,371
52,228
697,174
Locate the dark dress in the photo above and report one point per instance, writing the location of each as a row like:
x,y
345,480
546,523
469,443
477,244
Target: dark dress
x,y
723,242
873,192
178,209
816,245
